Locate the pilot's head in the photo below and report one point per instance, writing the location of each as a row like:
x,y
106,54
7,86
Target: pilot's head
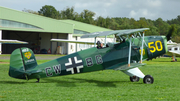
x,y
98,43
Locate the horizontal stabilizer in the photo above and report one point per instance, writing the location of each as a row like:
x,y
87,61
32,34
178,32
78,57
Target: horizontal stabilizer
x,y
34,72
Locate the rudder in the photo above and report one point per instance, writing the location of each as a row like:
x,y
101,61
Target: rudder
x,y
21,60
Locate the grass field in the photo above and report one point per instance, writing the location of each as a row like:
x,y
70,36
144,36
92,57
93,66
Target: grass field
x,y
107,85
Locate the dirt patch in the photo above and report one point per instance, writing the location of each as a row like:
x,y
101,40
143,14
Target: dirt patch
x,y
4,62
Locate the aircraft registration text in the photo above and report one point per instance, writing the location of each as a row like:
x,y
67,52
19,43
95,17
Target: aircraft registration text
x,y
56,68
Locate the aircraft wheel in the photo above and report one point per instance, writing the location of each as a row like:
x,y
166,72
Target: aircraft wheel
x,y
148,79
134,79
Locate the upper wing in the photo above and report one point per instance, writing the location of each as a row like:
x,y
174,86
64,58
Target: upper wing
x,y
13,42
130,31
72,41
118,32
95,34
102,33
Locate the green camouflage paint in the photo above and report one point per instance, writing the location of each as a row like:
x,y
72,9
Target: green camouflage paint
x,y
23,63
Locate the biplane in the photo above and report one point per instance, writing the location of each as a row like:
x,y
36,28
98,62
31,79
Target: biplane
x,y
173,50
126,56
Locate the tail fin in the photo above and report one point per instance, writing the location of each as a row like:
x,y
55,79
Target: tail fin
x,y
21,60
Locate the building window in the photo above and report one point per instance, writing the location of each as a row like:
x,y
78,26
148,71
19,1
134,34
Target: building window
x,y
15,24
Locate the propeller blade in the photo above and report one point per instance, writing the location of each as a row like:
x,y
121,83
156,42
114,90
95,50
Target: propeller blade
x,y
170,32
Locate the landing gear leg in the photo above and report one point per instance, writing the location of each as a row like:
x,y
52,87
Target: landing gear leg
x,y
174,58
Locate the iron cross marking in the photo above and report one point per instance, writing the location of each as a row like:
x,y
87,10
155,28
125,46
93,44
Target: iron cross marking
x,y
74,65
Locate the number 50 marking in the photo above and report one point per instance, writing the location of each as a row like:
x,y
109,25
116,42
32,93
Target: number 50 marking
x,y
155,47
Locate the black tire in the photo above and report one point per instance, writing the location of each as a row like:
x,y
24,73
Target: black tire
x,y
148,79
134,79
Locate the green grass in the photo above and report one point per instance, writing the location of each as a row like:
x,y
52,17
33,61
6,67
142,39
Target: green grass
x,y
107,85
35,55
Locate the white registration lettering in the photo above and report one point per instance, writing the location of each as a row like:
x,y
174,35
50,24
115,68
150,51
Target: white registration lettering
x,y
25,50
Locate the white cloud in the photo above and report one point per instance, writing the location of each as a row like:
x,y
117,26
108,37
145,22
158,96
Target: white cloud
x,y
133,13
81,5
107,4
95,3
151,9
141,13
154,3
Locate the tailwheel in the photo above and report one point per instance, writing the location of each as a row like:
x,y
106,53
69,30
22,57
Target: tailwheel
x,y
134,79
148,79
37,80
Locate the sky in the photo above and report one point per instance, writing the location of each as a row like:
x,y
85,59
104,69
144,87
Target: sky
x,y
150,9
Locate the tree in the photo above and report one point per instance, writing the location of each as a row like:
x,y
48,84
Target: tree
x,y
162,26
68,13
153,31
157,27
87,16
174,21
30,11
49,11
101,21
77,17
114,25
108,22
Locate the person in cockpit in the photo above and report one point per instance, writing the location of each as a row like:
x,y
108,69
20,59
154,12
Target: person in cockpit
x,y
99,45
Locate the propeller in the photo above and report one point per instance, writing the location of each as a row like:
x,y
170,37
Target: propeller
x,y
170,32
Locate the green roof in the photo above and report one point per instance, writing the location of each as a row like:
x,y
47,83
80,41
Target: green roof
x,y
85,27
46,24
38,23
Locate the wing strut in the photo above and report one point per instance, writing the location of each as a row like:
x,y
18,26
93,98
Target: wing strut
x,y
129,58
142,47
105,40
94,41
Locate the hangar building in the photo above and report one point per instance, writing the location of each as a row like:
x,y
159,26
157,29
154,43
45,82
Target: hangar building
x,y
38,30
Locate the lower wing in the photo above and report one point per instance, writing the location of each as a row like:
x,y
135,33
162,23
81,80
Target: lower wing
x,y
12,42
